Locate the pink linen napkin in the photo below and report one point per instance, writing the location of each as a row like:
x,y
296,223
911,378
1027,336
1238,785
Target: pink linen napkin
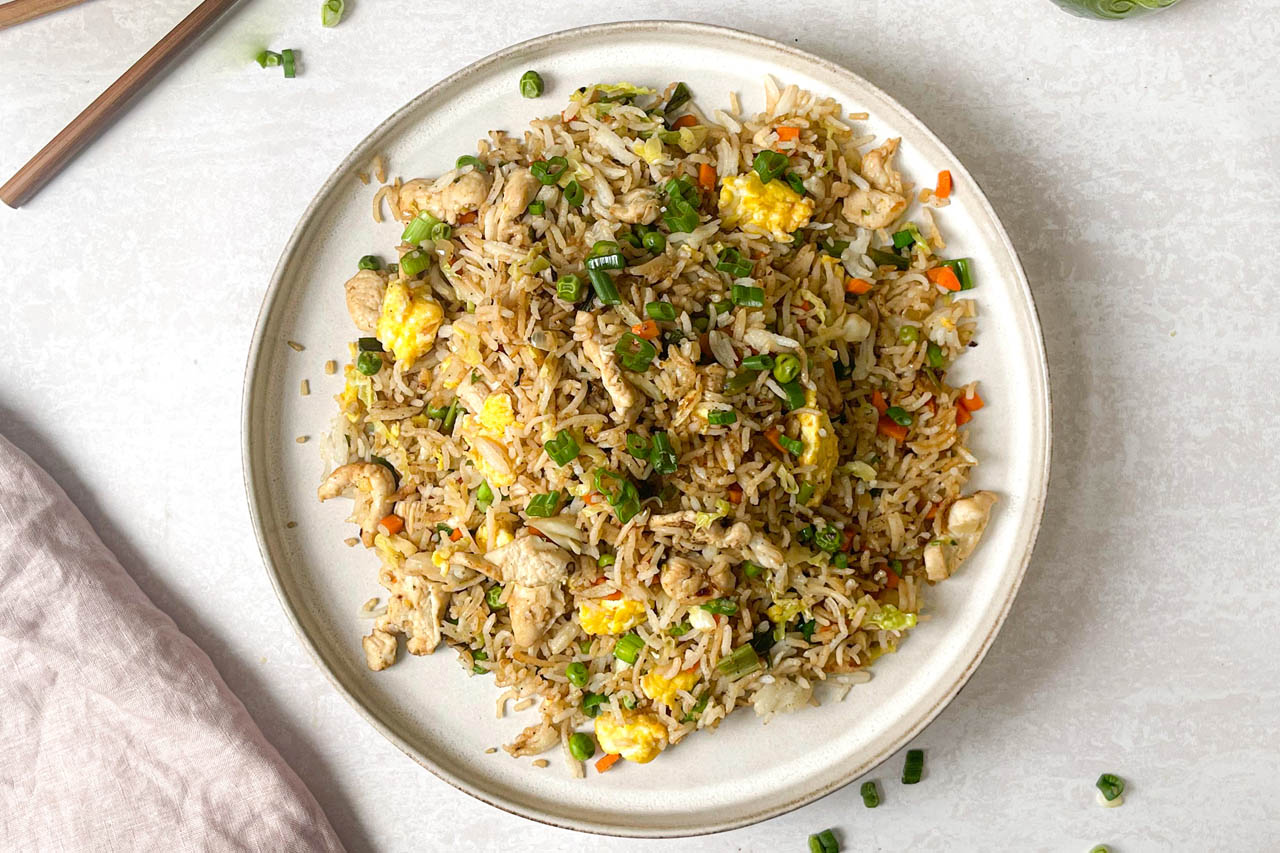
x,y
116,731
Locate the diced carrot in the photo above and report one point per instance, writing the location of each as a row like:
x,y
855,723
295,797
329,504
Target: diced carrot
x,y
887,426
788,134
467,218
891,580
648,330
846,543
735,493
773,434
392,524
972,401
932,513
933,406
944,184
455,535
684,121
609,759
857,286
805,305
706,176
962,416
614,596
944,277
877,400
591,498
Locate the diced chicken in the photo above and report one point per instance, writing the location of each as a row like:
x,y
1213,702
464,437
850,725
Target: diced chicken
x,y
379,650
626,402
519,190
415,608
737,535
966,521
637,207
877,167
872,208
765,553
465,194
533,609
365,291
690,581
534,571
534,740
371,486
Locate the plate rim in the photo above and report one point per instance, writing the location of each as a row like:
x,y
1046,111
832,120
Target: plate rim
x,y
251,379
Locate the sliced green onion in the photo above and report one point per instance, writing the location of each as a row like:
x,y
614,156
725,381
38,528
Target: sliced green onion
x,y
793,446
443,231
824,842
661,311
610,261
722,417
807,628
758,362
795,182
870,796
451,416
805,534
787,368
484,496
634,352
415,262
625,499
960,266
679,629
909,334
581,744
654,242
722,606
569,288
804,493
544,505
1101,848
769,165
419,228
898,415
627,701
370,262
740,381
740,663
606,560
494,597
562,449
895,566
548,171
835,247
531,84
840,560
638,446
331,13
935,356
828,538
573,193
632,238
628,647
1110,785
591,703
913,767
288,62
369,363
577,674
902,239
680,96
888,259
604,287
664,459
681,216
746,296
369,345
732,262
268,58
537,207
794,392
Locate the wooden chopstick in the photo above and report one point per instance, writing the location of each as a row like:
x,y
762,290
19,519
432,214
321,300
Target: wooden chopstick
x,y
96,117
18,11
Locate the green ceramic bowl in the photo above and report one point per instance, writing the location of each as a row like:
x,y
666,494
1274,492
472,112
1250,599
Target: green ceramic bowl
x,y
1112,10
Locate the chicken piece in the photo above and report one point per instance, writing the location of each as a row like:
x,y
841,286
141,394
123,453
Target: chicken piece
x,y
534,740
735,536
379,649
765,553
637,207
534,571
415,608
365,291
872,208
519,190
371,486
966,521
626,402
449,202
533,609
877,168
690,582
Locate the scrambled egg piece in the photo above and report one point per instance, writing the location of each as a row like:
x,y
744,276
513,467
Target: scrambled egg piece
x,y
772,210
496,415
493,461
408,323
610,617
664,690
821,449
784,610
501,536
639,737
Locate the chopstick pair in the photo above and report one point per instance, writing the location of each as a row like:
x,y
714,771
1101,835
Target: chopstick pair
x,y
96,117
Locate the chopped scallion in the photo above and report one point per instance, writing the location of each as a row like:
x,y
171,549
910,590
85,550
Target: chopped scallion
x,y
870,796
804,493
1110,785
638,446
415,262
604,287
794,392
569,288
679,629
563,448
662,311
484,496
537,208
663,458
898,415
747,296
591,703
722,606
331,13
369,345
470,160
824,842
628,647
680,96
913,767
960,266
769,165
934,354
792,445
763,361
740,663
634,352
288,61
722,417
573,193
888,259
544,505
548,171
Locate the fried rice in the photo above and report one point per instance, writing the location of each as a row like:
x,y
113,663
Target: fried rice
x,y
650,419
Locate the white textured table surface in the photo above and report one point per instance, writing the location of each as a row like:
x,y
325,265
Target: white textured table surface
x,y
1135,166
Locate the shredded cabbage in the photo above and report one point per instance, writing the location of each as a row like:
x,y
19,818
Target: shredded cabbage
x,y
703,520
862,471
891,618
692,138
614,90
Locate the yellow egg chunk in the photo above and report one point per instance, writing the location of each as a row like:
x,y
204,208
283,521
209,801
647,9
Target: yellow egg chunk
x,y
821,449
769,210
610,617
664,690
496,415
408,322
639,737
501,537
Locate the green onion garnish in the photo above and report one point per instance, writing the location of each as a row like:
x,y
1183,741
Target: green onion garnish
x,y
913,767
484,496
721,417
698,707
573,193
888,259
664,458
415,262
895,566
807,628
804,493
769,165
631,238
608,261
470,160
606,560
419,228
369,345
624,499
793,446
537,207
960,266
577,674
794,392
268,58
1110,785
581,745
898,415
1101,848
331,13
740,381
544,505
827,538
638,446
824,842
451,416
531,84
680,629
741,662
635,353
548,171
870,796
628,647
569,288
758,362
746,296
752,570
732,262
654,242
902,239
935,356
909,334
604,287
591,703
370,262
787,368
795,182
722,606
493,597
369,363
680,96
661,311
840,560
562,449
288,62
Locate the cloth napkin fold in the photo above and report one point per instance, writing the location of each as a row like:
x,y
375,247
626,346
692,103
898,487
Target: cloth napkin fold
x,y
116,731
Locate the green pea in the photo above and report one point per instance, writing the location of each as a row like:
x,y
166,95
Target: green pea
x,y
369,363
577,673
786,368
531,84
581,746
370,262
655,242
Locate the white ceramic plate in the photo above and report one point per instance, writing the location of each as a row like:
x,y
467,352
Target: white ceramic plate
x,y
428,706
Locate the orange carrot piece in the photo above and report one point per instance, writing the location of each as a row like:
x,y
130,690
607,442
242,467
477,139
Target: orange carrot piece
x,y
944,184
591,498
455,535
972,402
609,759
846,542
706,176
647,330
944,277
857,286
684,121
877,400
391,524
467,218
896,431
614,596
932,513
788,134
962,416
773,434
735,493
891,580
